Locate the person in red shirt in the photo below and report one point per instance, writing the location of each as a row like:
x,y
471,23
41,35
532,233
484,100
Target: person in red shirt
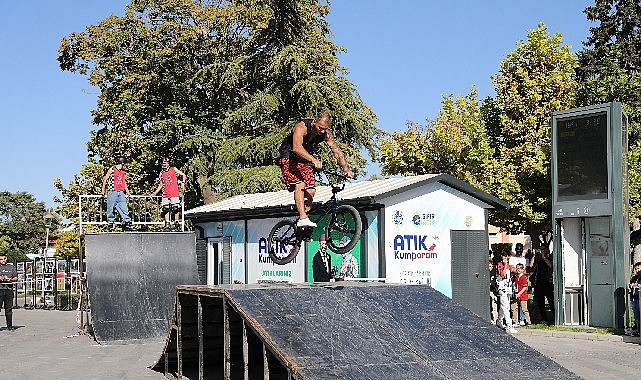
x,y
521,296
115,182
171,190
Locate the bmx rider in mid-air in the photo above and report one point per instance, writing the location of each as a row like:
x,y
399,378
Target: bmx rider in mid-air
x,y
297,162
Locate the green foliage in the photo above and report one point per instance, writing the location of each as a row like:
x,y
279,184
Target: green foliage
x,y
67,245
500,145
536,79
215,85
455,143
22,225
610,70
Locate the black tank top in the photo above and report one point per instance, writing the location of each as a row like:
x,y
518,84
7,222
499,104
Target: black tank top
x,y
310,143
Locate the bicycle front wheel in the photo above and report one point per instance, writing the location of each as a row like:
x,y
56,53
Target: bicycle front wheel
x,y
343,229
283,242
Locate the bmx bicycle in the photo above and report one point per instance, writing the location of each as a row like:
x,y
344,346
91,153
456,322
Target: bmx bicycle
x,y
342,232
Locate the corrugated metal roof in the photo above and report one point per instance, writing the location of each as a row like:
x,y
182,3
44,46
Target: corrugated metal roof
x,y
353,190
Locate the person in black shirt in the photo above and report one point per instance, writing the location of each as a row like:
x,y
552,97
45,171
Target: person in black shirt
x,y
541,280
8,275
297,161
635,286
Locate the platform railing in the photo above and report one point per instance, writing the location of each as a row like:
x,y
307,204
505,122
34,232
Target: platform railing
x,y
143,209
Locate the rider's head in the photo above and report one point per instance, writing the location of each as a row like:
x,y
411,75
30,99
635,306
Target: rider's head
x,y
120,160
322,122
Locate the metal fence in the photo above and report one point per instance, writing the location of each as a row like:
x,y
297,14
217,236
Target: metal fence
x,y
48,284
144,210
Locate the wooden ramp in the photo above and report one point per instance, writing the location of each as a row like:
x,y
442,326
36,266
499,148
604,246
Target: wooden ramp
x,y
132,279
339,331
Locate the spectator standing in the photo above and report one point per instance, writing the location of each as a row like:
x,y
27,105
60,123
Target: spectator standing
x,y
115,182
541,280
171,190
515,260
8,275
521,296
504,285
635,286
322,262
494,292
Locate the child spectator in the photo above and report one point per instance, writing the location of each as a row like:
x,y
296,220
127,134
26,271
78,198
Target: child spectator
x,y
494,292
521,296
505,291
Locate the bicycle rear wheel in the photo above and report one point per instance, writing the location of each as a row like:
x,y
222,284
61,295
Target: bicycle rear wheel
x,y
343,229
283,243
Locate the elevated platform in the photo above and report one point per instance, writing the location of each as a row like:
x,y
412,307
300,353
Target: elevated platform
x,y
132,280
339,331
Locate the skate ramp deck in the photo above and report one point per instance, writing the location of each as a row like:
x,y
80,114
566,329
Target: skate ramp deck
x,y
132,280
339,331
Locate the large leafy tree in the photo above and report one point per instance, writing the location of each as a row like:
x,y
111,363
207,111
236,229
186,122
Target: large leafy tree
x,y
455,143
610,70
534,80
502,144
215,85
22,224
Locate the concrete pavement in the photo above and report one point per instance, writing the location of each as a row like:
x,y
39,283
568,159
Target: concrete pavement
x,y
46,345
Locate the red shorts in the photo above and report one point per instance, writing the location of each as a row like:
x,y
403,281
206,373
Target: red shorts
x,y
295,172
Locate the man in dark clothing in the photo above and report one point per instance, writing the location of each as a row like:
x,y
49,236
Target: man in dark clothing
x,y
321,262
635,285
541,280
8,275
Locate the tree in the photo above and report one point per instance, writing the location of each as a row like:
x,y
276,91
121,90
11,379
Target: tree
x,y
610,70
22,225
216,85
67,245
534,80
455,143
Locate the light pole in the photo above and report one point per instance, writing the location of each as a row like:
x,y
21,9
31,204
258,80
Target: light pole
x,y
48,223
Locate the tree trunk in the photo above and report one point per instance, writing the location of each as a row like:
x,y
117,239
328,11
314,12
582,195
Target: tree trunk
x,y
208,192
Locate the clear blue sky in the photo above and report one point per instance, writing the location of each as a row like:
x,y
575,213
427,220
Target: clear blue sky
x,y
403,56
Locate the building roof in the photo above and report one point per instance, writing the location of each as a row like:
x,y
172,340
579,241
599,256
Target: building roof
x,y
361,194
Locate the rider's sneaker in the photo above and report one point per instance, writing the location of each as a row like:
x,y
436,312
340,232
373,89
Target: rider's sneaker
x,y
167,227
305,223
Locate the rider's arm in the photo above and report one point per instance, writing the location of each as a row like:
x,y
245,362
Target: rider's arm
x,y
300,130
338,154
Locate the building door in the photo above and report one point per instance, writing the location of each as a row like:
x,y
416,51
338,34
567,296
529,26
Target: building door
x,y
600,273
218,260
470,272
214,261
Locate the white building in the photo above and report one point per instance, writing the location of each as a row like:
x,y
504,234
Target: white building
x,y
428,229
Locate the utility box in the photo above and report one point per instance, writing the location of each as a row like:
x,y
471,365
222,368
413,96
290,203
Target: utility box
x,y
590,211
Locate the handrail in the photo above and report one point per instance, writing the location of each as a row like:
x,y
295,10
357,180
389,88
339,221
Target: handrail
x,y
143,210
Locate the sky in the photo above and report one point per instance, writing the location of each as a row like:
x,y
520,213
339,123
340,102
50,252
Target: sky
x,y
403,56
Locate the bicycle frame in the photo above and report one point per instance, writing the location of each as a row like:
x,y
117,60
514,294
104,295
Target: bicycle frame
x,y
326,208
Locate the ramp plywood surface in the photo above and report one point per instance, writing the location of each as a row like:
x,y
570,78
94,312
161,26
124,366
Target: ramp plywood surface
x,y
132,278
370,331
